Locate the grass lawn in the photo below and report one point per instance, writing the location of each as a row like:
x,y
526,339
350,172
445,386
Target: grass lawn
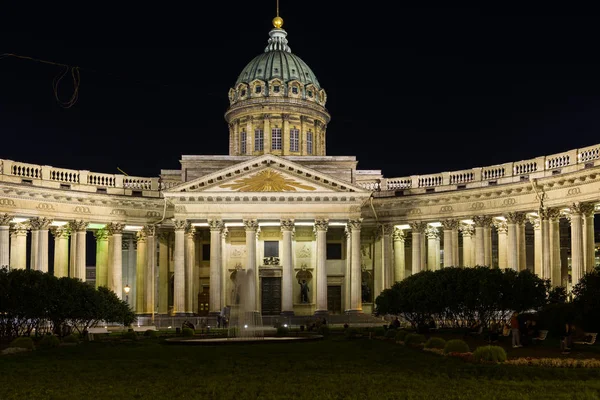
x,y
334,368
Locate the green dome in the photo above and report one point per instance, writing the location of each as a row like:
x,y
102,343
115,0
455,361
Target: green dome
x,y
278,62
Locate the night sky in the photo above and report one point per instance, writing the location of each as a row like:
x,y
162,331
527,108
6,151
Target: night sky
x,y
410,90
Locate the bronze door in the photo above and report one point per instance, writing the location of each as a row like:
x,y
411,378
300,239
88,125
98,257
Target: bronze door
x,y
203,301
334,299
270,296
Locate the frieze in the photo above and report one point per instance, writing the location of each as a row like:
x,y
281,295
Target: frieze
x,y
118,211
82,210
7,202
414,211
508,202
152,214
478,205
446,209
573,191
45,207
270,234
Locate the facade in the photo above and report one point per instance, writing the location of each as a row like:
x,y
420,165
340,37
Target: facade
x,y
314,234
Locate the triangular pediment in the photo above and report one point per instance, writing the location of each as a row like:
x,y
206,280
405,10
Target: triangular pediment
x,y
267,173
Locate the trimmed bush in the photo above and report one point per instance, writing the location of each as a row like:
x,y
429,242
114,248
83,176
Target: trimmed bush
x,y
414,339
48,342
151,333
283,331
456,346
401,335
23,342
70,339
131,335
390,334
187,332
494,354
435,343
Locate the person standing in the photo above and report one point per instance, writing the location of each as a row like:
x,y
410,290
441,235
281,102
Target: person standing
x,y
514,327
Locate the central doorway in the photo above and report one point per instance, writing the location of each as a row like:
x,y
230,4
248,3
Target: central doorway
x,y
334,299
270,295
203,300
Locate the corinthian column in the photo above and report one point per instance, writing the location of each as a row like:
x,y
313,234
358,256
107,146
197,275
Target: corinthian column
x,y
101,236
179,267
190,265
555,263
287,304
387,272
487,243
502,229
251,227
577,267
356,272
216,226
433,248
78,230
116,232
163,272
140,272
149,280
5,239
513,219
399,255
455,256
321,226
481,221
61,251
418,229
589,244
450,225
545,233
467,231
18,257
348,269
537,245
521,244
40,226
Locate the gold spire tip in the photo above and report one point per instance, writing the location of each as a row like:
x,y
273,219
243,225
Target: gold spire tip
x,y
278,22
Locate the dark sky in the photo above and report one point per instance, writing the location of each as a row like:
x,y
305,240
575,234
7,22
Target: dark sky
x,y
410,90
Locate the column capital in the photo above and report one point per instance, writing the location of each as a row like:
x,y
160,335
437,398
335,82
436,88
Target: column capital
x,y
141,236
287,225
100,234
466,230
150,230
80,225
250,225
180,224
536,222
386,229
224,233
398,235
321,224
432,233
5,219
418,226
586,209
216,224
501,226
114,228
40,223
553,214
482,221
449,224
59,231
20,229
515,217
354,224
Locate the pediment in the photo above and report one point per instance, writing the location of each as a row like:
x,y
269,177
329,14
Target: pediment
x,y
266,173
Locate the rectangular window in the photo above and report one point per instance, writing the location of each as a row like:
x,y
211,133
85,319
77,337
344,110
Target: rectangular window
x,y
206,252
276,89
276,139
309,142
294,139
258,89
271,248
243,138
334,251
259,140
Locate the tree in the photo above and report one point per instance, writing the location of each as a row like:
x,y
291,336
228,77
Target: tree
x,y
587,301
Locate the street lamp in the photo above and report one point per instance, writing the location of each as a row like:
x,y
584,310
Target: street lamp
x,y
127,289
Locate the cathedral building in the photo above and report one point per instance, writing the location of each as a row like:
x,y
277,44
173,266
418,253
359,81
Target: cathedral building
x,y
315,234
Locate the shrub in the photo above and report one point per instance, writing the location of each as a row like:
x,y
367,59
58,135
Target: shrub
x,y
187,332
435,343
283,331
379,331
23,342
131,335
70,339
401,335
390,333
151,333
413,339
49,341
493,354
456,346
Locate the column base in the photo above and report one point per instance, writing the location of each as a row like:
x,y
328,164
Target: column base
x,y
287,314
354,311
321,313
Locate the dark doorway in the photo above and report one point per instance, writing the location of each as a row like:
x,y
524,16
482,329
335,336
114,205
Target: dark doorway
x,y
203,301
271,296
334,299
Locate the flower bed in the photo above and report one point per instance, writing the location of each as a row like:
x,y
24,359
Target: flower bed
x,y
556,362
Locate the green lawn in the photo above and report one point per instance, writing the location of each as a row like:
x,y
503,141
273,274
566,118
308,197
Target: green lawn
x,y
334,368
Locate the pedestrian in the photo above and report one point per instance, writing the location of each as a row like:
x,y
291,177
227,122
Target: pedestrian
x,y
514,327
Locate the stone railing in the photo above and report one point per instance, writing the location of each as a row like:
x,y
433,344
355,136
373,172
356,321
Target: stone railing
x,y
539,167
79,180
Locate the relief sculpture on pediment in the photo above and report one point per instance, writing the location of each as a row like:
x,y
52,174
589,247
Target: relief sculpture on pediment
x,y
267,180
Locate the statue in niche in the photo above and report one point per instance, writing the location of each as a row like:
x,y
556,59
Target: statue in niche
x,y
366,292
303,291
